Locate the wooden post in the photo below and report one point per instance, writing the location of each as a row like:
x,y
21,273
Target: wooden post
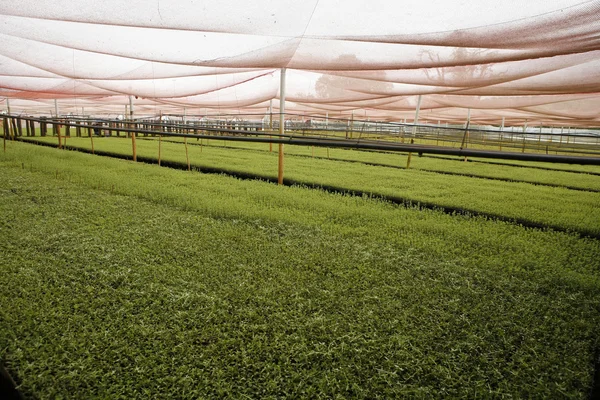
x,y
412,141
414,130
67,129
133,146
13,128
5,128
57,129
91,135
8,121
187,157
281,126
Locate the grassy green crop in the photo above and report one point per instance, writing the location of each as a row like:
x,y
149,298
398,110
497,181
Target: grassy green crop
x,y
551,206
501,167
123,280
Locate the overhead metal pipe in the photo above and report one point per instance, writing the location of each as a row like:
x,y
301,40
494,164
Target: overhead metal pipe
x,y
355,144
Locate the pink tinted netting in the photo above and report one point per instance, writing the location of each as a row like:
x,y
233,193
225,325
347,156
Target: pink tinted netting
x,y
537,61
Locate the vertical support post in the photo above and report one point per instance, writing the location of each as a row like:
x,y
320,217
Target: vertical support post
x,y
5,128
67,129
501,131
13,124
270,123
8,122
466,134
281,125
524,130
55,108
412,141
57,128
133,145
187,157
465,140
561,135
159,146
414,130
130,108
91,135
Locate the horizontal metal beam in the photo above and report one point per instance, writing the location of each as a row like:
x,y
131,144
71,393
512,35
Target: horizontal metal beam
x,y
245,136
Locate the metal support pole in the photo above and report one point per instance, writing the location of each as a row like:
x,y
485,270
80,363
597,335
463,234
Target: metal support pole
x,y
8,126
131,108
133,145
524,130
465,142
281,125
270,123
56,108
414,129
501,131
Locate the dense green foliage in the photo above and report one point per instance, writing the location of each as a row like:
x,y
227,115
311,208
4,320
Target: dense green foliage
x,y
123,280
557,207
